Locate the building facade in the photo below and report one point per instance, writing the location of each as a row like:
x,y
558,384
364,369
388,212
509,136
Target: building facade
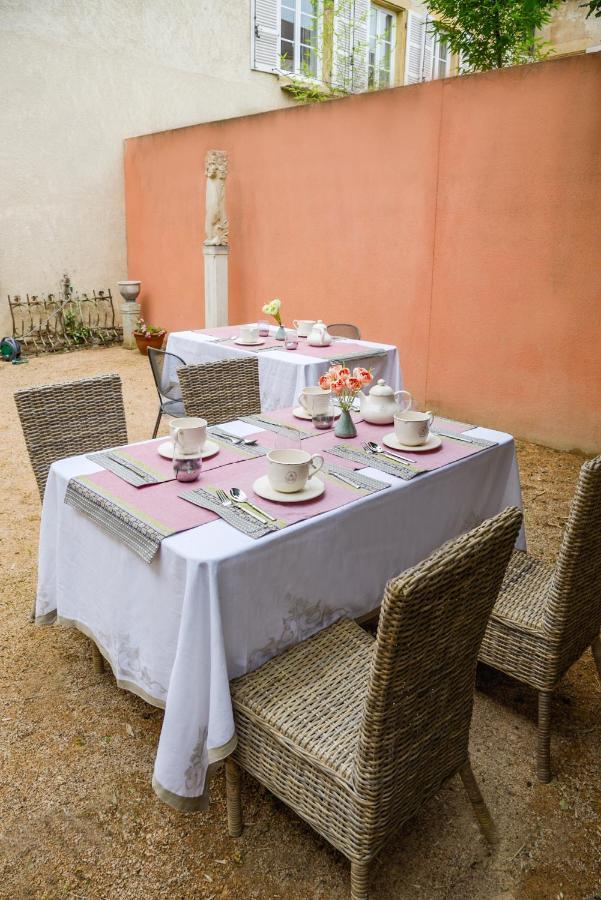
x,y
76,79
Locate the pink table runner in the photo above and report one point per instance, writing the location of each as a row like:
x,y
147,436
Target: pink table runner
x,y
155,469
336,350
142,519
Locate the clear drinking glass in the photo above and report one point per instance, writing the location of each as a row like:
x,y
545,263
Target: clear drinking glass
x,y
187,468
323,413
291,340
263,329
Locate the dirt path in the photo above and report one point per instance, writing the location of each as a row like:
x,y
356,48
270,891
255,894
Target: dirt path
x,y
78,815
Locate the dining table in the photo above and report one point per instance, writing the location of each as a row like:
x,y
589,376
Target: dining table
x,y
182,594
284,373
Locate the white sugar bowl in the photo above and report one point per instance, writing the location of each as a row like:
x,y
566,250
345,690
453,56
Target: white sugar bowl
x,y
382,403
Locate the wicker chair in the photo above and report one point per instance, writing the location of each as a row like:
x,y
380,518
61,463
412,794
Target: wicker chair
x,y
545,617
65,419
223,390
356,734
164,368
345,329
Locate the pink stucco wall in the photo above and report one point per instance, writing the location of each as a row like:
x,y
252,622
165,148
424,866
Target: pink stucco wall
x,y
458,219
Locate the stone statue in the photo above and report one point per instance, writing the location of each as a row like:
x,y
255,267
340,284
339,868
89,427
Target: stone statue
x,y
216,224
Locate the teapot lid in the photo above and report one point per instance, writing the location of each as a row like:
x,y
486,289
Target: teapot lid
x,y
381,389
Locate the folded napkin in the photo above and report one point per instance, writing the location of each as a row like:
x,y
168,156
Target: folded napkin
x,y
464,438
354,357
234,515
375,461
361,482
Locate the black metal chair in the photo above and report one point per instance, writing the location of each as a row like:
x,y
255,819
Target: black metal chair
x,y
164,371
345,329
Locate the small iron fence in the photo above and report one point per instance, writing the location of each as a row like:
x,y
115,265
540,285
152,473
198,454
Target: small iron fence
x,y
47,323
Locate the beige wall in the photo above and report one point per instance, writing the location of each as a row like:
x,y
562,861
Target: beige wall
x,y
76,79
569,31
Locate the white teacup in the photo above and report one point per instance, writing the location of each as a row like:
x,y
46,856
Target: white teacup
x,y
412,428
303,326
314,400
248,334
289,470
189,434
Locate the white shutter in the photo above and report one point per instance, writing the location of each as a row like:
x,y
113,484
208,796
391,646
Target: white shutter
x,y
265,35
414,48
342,55
351,36
419,49
360,44
428,60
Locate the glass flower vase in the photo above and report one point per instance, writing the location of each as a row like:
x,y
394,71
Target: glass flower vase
x,y
280,334
345,427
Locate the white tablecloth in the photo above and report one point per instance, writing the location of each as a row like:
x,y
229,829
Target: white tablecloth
x,y
215,603
284,373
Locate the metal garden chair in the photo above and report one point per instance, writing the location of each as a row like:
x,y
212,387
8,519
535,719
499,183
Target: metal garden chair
x,y
165,368
345,329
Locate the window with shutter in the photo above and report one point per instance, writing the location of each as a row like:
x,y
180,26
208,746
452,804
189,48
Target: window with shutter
x,y
349,58
265,35
426,56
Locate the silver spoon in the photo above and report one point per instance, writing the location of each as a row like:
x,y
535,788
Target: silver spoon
x,y
372,447
225,501
238,495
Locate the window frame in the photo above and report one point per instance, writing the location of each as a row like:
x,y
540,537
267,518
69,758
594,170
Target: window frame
x,y
387,11
297,44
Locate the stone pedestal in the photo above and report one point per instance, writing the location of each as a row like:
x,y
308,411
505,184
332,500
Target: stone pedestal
x,y
216,288
130,313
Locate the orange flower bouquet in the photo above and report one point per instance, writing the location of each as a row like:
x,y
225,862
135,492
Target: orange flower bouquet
x,y
345,385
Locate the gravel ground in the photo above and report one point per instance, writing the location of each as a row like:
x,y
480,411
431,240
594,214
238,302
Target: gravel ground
x,y
78,815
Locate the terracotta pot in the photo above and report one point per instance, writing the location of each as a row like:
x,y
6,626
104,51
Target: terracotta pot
x,y
143,342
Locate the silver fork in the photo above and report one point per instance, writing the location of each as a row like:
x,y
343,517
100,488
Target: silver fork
x,y
225,501
376,449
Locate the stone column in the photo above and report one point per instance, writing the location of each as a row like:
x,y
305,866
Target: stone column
x,y
130,313
216,288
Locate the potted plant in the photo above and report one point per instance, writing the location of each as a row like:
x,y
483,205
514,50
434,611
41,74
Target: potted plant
x,y
148,336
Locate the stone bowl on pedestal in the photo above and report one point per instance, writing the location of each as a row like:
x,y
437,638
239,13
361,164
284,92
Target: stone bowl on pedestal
x,y
129,290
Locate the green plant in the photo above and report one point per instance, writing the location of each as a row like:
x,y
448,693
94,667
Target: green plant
x,y
74,327
594,9
493,34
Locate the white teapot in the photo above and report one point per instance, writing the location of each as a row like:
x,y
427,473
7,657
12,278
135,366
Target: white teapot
x,y
382,403
319,335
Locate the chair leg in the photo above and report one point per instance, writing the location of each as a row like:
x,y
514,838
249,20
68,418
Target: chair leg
x,y
233,798
32,611
97,660
157,423
543,753
359,879
596,651
483,817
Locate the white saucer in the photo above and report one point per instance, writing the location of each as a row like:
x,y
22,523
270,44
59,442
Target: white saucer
x,y
249,343
313,488
391,440
300,412
210,449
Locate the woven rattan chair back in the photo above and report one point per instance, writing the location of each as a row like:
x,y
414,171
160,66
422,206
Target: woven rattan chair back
x,y
61,420
415,728
345,329
164,368
223,390
573,612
